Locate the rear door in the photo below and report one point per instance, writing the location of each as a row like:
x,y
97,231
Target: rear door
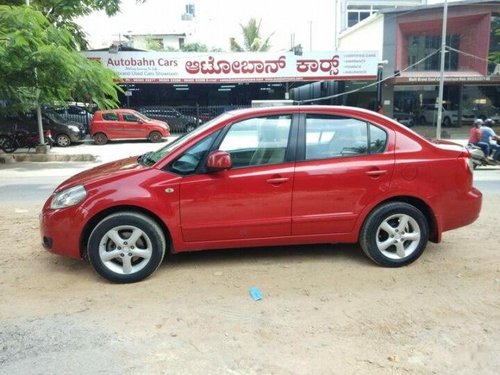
x,y
110,125
343,166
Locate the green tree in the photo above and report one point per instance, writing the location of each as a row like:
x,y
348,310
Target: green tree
x,y
252,40
495,40
41,66
62,13
194,47
154,44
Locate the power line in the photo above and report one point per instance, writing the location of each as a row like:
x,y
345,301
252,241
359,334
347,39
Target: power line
x,y
370,84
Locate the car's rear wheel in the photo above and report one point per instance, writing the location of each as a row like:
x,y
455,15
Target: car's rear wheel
x,y
100,139
63,140
190,128
394,234
126,247
155,137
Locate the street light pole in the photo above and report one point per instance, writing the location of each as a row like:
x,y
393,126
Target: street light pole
x,y
441,73
310,35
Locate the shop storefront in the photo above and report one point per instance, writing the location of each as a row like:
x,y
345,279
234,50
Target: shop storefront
x,y
174,78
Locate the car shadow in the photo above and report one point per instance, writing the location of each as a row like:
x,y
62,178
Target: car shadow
x,y
292,254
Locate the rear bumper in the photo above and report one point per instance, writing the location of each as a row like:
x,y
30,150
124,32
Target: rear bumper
x,y
468,208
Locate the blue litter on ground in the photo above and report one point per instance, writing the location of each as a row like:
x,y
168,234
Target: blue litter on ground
x,y
255,293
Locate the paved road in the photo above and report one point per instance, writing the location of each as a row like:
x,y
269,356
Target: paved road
x,y
34,182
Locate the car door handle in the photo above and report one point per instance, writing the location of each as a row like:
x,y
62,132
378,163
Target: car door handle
x,y
277,180
376,172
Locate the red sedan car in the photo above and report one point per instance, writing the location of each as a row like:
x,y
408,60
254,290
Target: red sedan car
x,y
126,124
263,177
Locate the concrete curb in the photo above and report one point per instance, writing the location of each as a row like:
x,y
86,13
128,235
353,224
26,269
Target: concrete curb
x,y
28,157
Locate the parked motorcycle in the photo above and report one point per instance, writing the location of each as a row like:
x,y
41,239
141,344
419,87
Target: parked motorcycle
x,y
23,139
478,157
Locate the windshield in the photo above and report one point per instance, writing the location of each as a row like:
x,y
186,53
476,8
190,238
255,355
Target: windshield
x,y
142,116
153,157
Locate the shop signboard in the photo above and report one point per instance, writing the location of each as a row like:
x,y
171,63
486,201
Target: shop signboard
x,y
208,67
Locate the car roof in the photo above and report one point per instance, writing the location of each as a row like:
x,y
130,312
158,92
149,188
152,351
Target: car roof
x,y
340,109
123,110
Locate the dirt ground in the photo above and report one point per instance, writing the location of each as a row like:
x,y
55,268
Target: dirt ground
x,y
325,309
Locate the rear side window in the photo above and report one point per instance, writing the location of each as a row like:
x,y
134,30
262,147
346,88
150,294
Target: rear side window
x,y
335,137
110,116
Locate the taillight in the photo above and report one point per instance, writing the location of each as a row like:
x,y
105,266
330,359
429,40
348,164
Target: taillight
x,y
467,158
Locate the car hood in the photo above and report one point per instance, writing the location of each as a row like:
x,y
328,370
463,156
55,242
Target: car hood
x,y
105,171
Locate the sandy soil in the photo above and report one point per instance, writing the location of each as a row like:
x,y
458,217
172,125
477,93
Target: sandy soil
x,y
326,309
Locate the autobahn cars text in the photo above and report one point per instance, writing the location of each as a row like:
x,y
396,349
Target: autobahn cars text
x,y
262,177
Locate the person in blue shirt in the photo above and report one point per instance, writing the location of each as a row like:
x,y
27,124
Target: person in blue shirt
x,y
488,136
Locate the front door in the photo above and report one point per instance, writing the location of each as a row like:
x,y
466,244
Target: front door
x,y
252,199
132,126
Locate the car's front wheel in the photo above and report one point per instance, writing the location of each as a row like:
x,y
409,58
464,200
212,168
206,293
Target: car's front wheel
x,y
394,234
126,247
155,137
63,140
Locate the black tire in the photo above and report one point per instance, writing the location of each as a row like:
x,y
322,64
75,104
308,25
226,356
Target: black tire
x,y
117,259
100,139
408,241
63,140
9,146
155,137
190,128
447,122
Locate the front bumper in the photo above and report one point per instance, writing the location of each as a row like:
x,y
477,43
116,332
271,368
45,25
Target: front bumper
x,y
61,230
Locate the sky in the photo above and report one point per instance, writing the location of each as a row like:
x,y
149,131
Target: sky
x,y
309,23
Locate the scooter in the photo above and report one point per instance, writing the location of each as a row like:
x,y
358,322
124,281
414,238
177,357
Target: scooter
x,y
478,157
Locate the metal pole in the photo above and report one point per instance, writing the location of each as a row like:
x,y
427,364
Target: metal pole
x,y
310,35
441,74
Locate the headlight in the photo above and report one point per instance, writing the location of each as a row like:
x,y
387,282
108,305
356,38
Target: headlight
x,y
73,128
68,197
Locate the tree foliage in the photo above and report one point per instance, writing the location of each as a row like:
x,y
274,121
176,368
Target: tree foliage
x,y
62,13
495,41
39,60
252,40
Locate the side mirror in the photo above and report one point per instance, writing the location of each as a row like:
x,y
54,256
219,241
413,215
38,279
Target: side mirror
x,y
219,161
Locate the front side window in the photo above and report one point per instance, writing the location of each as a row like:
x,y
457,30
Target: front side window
x,y
190,160
258,141
130,118
335,137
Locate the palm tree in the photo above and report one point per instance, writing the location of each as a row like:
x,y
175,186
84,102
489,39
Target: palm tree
x,y
252,40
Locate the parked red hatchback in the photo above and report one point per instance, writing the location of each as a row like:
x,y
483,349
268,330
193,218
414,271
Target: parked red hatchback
x,y
263,177
126,124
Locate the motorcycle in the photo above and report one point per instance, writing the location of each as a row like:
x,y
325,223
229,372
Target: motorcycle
x,y
23,139
478,158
